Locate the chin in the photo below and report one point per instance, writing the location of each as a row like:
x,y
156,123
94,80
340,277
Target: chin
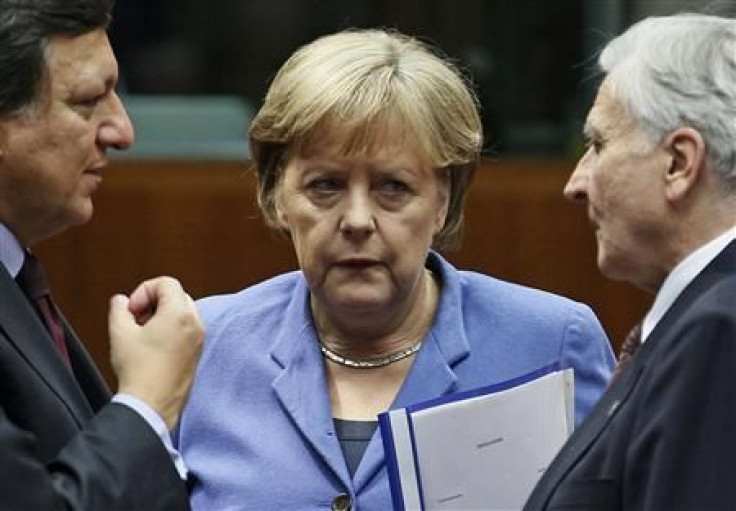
x,y
360,304
606,266
82,214
613,269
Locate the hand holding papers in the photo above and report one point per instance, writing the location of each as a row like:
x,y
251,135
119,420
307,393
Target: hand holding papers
x,y
481,449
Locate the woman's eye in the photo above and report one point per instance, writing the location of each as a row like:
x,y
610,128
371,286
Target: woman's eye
x,y
325,185
394,186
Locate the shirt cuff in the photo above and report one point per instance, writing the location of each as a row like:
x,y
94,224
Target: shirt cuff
x,y
157,424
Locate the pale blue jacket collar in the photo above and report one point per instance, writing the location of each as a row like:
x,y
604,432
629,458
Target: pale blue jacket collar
x,y
303,378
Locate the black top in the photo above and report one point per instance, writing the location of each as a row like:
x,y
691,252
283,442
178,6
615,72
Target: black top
x,y
354,437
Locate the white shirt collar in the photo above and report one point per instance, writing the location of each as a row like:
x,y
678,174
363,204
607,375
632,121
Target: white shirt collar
x,y
12,253
679,278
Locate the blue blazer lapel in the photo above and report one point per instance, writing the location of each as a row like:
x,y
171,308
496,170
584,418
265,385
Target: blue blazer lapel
x,y
301,387
432,374
416,388
26,333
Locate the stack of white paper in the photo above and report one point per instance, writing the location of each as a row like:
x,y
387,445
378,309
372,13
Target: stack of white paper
x,y
478,450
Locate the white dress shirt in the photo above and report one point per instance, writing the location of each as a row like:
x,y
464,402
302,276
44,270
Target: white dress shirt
x,y
12,255
679,278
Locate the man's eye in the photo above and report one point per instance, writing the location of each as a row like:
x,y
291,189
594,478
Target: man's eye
x,y
89,102
596,144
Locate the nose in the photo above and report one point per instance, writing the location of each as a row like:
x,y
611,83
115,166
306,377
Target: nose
x,y
576,189
115,130
357,218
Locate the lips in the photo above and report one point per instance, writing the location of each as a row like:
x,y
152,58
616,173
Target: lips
x,y
95,170
356,263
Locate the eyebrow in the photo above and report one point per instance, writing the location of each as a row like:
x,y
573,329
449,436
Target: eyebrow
x,y
590,130
91,82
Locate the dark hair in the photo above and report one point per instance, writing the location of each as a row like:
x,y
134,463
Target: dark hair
x,y
25,29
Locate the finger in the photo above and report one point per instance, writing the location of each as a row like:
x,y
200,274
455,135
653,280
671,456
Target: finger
x,y
154,293
142,298
119,316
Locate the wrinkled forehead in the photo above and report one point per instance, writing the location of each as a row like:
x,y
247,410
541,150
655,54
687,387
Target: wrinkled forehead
x,y
81,61
609,113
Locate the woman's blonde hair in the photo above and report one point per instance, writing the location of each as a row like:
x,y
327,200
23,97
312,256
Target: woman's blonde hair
x,y
353,84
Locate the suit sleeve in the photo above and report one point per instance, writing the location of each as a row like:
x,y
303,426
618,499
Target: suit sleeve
x,y
116,463
684,450
586,349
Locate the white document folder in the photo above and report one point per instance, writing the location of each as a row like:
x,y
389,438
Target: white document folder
x,y
483,449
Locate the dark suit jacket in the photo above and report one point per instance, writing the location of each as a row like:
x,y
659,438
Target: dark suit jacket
x,y
663,437
62,444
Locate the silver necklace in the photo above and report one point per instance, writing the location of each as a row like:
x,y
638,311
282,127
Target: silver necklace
x,y
371,362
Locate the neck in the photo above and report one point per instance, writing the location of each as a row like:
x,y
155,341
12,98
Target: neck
x,y
690,224
378,337
699,231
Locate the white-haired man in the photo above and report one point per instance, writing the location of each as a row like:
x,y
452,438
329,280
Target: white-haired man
x,y
659,183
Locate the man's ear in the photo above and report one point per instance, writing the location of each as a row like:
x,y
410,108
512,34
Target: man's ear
x,y
686,149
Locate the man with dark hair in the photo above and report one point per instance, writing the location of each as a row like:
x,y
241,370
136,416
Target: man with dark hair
x,y
64,443
658,183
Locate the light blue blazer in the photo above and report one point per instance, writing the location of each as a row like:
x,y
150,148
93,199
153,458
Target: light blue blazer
x,y
257,433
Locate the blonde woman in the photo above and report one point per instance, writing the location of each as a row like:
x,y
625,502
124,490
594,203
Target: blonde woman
x,y
364,150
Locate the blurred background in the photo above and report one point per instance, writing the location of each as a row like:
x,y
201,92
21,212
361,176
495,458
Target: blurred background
x,y
193,73
531,60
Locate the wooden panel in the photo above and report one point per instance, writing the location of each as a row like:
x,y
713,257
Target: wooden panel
x,y
519,227
199,221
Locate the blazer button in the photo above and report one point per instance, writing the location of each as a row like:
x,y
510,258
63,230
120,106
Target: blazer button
x,y
342,503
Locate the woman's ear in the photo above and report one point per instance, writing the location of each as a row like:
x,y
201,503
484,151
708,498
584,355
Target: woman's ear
x,y
280,216
443,198
686,149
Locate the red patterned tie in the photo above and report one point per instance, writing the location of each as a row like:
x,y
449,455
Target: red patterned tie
x,y
32,281
628,348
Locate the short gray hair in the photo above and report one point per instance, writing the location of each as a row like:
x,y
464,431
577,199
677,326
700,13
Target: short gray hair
x,y
680,71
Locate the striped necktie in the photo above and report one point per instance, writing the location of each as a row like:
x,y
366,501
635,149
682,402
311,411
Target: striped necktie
x,y
628,348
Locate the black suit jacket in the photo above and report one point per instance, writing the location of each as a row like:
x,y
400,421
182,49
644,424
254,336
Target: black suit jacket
x,y
62,444
663,437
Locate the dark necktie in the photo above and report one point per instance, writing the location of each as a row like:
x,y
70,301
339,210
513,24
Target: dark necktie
x,y
628,348
32,281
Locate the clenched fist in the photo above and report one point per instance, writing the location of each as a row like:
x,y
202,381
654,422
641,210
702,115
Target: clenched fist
x,y
155,343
